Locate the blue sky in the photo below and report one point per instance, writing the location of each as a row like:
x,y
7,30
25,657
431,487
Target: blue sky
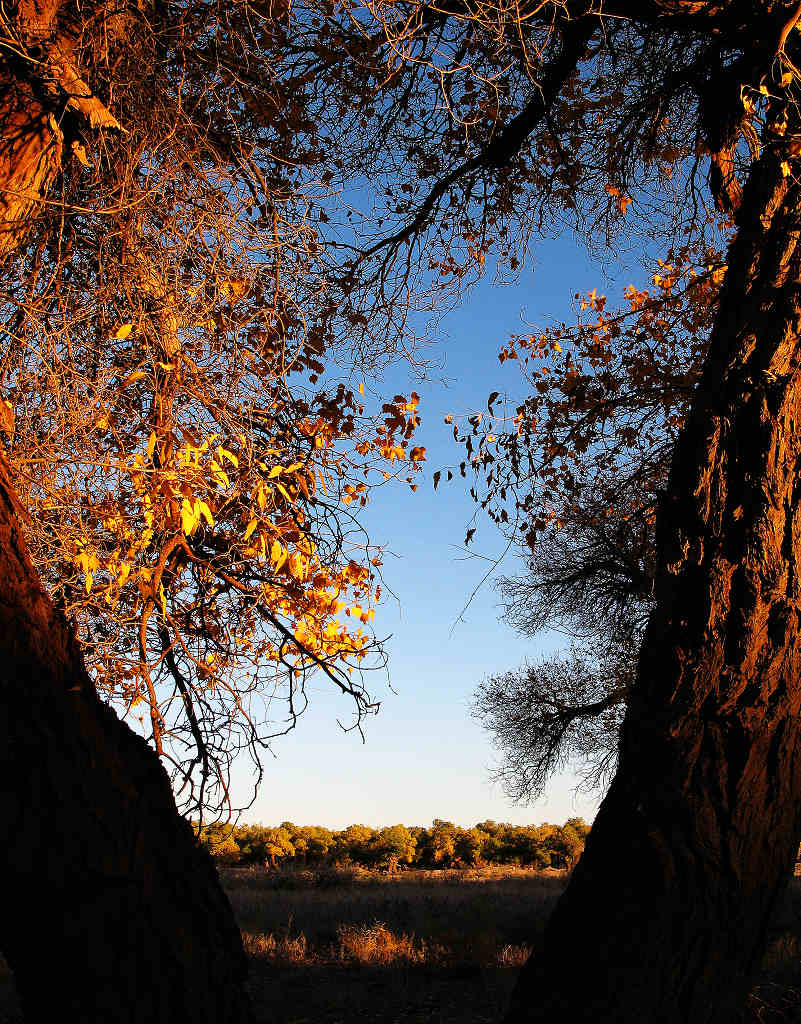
x,y
424,757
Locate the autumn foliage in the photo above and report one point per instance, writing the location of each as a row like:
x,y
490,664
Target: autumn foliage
x,y
573,476
443,845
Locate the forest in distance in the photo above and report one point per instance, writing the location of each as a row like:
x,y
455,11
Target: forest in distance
x,y
394,847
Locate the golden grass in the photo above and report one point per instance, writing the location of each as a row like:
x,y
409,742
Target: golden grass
x,y
421,947
481,918
351,922
374,945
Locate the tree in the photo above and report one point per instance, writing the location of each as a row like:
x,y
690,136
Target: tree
x,y
96,845
277,843
708,753
552,710
586,457
631,101
187,495
392,846
469,845
442,841
353,843
221,843
179,457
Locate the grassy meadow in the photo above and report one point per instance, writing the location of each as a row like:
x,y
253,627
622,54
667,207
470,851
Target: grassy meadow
x,y
336,945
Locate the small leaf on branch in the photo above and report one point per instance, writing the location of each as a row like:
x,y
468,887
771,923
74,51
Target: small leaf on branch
x,y
223,453
203,510
189,519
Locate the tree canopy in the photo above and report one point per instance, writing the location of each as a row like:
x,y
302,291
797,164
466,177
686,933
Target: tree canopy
x,y
573,477
189,452
443,845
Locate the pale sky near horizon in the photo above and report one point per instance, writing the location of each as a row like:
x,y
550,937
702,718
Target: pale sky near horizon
x,y
424,757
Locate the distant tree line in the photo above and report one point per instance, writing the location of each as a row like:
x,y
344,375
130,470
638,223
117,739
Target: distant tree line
x,y
443,845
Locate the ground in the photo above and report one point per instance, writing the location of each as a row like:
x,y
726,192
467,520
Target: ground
x,y
335,946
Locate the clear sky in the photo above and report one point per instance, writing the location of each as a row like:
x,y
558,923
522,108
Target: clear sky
x,y
424,757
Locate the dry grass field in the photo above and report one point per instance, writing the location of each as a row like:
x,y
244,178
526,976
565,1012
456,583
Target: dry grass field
x,y
337,946
332,947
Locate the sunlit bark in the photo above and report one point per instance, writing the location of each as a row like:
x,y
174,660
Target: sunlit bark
x,y
666,915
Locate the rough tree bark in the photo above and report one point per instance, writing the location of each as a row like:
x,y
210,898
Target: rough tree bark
x,y
111,910
665,917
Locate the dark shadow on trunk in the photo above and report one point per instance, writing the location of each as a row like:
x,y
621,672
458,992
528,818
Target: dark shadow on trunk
x,y
111,910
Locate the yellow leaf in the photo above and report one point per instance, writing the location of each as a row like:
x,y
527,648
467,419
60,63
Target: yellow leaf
x,y
278,554
123,332
163,599
361,388
136,375
219,474
233,289
274,472
785,168
283,490
251,527
151,445
223,453
202,509
89,579
188,518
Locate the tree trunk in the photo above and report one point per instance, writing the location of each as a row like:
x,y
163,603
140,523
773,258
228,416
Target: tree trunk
x,y
111,910
666,914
